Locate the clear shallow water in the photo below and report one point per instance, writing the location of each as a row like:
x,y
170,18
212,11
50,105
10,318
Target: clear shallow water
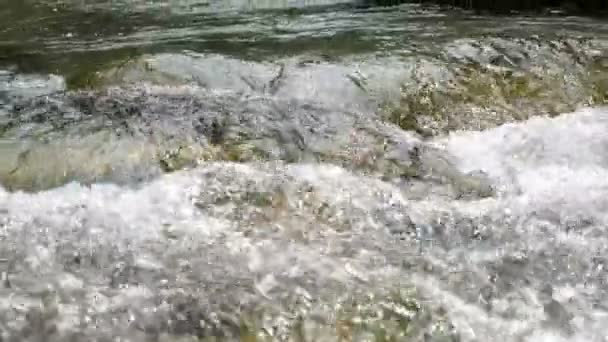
x,y
174,172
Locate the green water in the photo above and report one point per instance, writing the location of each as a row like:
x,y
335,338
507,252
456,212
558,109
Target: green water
x,y
66,37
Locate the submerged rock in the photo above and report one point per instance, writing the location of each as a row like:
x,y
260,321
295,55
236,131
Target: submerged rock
x,y
15,86
476,85
133,133
130,70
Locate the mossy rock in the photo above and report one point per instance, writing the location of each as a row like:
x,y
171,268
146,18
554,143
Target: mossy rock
x,y
241,152
182,157
477,97
118,72
39,165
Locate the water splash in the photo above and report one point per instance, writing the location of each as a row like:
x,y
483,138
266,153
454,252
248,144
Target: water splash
x,y
188,195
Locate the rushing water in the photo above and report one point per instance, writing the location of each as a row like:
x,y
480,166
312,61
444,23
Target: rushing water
x,y
303,170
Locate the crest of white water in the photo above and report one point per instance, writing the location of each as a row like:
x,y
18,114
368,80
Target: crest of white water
x,y
552,176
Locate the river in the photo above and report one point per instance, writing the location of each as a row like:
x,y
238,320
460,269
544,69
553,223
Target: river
x,y
301,170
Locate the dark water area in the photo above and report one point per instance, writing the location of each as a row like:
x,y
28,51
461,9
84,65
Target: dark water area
x,y
535,7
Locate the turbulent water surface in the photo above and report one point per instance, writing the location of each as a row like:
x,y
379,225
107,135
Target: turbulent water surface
x,y
302,170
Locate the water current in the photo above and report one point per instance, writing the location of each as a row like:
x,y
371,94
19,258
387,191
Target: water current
x,y
301,170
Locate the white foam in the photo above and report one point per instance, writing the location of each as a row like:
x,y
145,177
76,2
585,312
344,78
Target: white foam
x,y
560,168
573,140
557,161
556,165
